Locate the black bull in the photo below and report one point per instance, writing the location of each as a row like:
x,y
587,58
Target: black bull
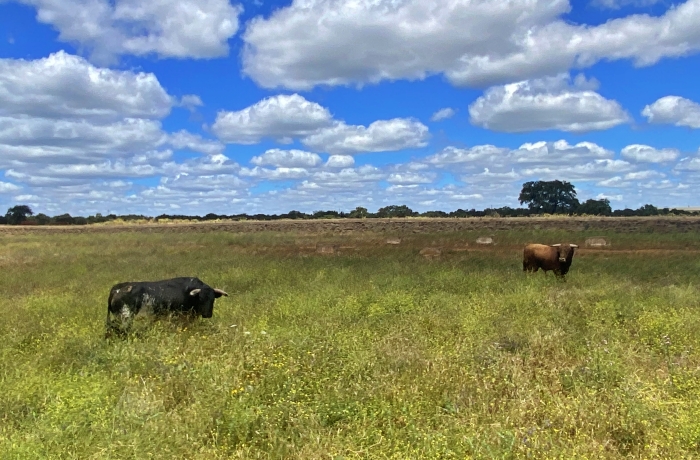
x,y
176,295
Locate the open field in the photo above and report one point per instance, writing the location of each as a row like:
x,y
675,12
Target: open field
x,y
372,351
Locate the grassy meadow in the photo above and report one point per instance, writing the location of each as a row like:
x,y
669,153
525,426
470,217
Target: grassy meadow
x,y
375,352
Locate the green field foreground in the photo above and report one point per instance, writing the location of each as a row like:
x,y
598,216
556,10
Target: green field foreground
x,y
375,352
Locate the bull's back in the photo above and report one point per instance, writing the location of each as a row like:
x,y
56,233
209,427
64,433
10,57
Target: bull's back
x,y
540,255
537,251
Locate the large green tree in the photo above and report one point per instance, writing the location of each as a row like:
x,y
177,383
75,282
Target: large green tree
x,y
18,214
551,197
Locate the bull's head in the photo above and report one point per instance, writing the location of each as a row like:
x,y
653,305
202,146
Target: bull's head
x,y
565,251
204,303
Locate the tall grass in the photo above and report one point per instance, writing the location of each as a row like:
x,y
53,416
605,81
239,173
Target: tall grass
x,y
374,353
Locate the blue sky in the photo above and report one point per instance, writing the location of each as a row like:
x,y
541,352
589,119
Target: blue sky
x,y
194,106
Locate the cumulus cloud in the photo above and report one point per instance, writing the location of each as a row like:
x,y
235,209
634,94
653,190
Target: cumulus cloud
x,y
64,86
559,152
643,175
8,187
689,164
410,178
279,117
547,103
674,110
285,117
340,161
166,28
287,158
443,114
645,153
69,129
185,140
588,171
342,42
39,139
451,154
191,102
379,136
279,173
617,4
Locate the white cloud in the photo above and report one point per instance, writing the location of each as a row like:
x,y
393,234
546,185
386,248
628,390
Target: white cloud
x,y
443,114
689,164
340,161
320,42
559,152
40,139
589,171
602,196
8,187
547,103
410,178
186,140
191,102
278,117
218,183
287,158
280,173
614,182
379,136
286,117
166,28
334,43
65,86
347,178
674,109
452,155
492,177
642,175
645,153
617,4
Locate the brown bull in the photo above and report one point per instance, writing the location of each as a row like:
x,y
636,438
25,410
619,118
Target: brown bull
x,y
556,257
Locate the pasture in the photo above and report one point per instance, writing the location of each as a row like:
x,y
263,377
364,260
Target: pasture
x,y
368,351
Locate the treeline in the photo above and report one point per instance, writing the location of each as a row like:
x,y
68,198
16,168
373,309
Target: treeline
x,y
541,197
587,208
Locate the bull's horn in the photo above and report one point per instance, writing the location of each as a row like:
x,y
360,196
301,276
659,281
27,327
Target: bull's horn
x,y
574,245
220,292
194,291
555,245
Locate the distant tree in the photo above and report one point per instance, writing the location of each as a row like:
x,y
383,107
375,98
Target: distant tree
x,y
435,214
18,214
395,211
359,212
648,210
325,214
42,219
552,197
294,215
595,207
63,219
459,213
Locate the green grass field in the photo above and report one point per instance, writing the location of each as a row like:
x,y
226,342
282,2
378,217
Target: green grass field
x,y
373,353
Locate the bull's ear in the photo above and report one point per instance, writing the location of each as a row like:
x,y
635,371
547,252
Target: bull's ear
x,y
555,245
574,245
194,292
218,293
